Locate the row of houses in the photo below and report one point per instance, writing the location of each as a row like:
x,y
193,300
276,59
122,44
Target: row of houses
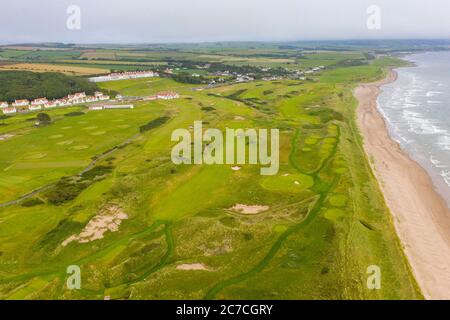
x,y
169,95
44,103
125,76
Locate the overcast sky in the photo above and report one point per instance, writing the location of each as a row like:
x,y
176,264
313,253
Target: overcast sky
x,y
149,21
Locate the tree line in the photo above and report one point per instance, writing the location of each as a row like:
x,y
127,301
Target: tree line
x,y
30,85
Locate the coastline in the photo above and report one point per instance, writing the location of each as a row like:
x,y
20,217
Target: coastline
x,y
421,215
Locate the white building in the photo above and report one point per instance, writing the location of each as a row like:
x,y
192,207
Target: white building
x,y
168,95
125,76
3,104
96,108
63,102
91,99
34,108
50,104
9,110
79,95
117,106
21,103
39,101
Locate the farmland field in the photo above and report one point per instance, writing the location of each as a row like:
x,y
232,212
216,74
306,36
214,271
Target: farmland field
x,y
324,222
41,67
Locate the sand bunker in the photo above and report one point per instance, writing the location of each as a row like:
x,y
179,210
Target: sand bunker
x,y
98,133
246,209
64,143
90,128
236,168
80,147
108,220
5,136
192,266
239,118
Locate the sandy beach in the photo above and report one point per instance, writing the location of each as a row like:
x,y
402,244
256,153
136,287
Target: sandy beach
x,y
421,216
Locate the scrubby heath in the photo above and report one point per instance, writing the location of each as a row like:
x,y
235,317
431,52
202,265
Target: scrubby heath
x,y
140,227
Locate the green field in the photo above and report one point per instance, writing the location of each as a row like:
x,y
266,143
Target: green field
x,y
326,221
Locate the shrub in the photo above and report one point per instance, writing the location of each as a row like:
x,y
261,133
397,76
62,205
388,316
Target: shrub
x,y
154,124
32,202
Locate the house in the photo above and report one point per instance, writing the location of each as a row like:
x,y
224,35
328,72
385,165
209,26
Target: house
x,y
39,101
95,108
78,100
151,98
20,103
34,107
9,110
63,102
168,95
3,104
91,99
103,97
79,95
50,104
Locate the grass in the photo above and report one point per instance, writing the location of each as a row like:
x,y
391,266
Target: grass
x,y
326,222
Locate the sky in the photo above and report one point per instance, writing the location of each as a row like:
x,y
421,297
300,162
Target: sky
x,y
170,21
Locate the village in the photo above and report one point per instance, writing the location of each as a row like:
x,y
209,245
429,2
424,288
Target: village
x,y
24,106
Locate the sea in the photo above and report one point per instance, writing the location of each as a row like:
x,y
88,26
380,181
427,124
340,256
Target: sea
x,y
417,110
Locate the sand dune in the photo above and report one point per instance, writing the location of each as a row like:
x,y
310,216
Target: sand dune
x,y
421,215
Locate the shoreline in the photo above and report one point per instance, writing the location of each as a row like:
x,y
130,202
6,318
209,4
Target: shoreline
x,y
420,214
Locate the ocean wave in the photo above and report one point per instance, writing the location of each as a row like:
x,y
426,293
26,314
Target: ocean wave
x,y
419,125
444,142
433,93
446,175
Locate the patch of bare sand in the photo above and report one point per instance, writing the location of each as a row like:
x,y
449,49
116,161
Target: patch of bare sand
x,y
236,168
6,136
108,220
249,209
192,266
421,215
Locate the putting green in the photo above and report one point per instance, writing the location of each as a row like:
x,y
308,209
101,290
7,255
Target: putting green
x,y
338,200
292,183
64,143
334,214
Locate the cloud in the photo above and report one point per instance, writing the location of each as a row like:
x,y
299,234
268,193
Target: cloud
x,y
132,21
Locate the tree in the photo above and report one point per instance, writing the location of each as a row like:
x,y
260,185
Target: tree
x,y
44,118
